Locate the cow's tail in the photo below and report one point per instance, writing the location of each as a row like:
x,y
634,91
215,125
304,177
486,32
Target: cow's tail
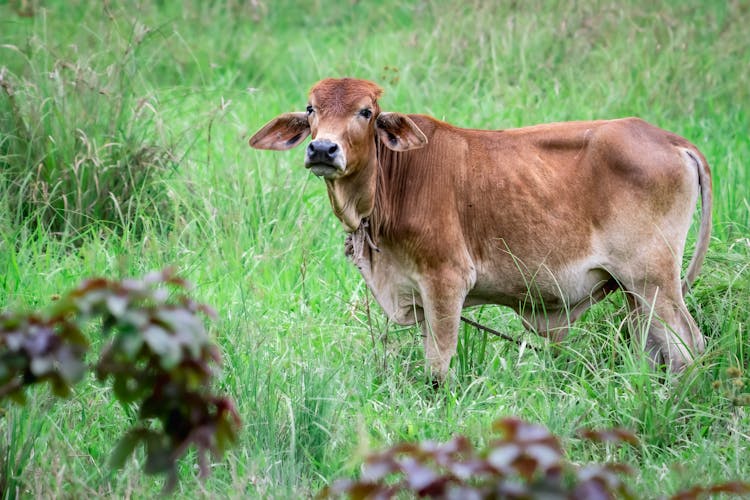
x,y
704,231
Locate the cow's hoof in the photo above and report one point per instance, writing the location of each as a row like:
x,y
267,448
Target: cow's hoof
x,y
436,383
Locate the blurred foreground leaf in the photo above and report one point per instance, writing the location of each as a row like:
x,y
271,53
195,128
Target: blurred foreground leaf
x,y
158,355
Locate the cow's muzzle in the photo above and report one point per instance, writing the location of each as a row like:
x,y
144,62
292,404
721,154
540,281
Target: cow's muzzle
x,y
325,158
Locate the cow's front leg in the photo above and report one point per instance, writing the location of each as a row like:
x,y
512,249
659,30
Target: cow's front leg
x,y
442,301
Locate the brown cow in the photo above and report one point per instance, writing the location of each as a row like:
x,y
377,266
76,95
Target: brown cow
x,y
545,219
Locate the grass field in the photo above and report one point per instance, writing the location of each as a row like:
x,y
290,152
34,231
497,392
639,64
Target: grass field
x,y
171,91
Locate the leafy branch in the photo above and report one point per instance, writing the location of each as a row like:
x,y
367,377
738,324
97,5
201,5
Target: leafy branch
x,y
158,355
526,462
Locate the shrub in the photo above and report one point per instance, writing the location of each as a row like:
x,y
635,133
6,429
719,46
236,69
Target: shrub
x,y
526,462
80,144
158,355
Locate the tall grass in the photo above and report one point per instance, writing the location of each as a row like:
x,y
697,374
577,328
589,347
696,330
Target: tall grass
x,y
319,376
83,143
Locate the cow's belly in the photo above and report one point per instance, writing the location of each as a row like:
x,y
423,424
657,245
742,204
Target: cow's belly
x,y
556,288
395,285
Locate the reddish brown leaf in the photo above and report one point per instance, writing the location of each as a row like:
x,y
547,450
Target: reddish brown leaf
x,y
378,467
418,476
591,489
698,492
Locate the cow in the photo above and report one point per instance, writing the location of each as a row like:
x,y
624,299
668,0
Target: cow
x,y
545,219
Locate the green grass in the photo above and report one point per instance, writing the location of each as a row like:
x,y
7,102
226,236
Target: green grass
x,y
317,382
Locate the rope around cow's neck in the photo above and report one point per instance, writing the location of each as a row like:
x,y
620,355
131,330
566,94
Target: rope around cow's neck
x,y
364,225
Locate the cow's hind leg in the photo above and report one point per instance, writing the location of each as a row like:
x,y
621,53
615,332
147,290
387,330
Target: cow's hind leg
x,y
672,336
553,325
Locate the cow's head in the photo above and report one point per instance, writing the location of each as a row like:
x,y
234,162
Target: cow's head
x,y
343,118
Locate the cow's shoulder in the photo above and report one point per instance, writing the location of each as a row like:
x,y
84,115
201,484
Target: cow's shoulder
x,y
430,125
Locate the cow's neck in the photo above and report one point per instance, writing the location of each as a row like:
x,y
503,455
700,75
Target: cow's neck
x,y
353,197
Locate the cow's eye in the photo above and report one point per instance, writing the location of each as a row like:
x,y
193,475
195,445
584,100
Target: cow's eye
x,y
310,109
365,113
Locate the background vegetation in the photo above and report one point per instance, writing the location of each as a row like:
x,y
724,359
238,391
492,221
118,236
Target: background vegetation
x,y
123,148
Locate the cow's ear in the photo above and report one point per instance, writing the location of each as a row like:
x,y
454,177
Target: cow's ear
x,y
283,132
399,132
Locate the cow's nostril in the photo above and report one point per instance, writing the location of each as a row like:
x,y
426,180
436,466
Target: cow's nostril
x,y
333,149
311,148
